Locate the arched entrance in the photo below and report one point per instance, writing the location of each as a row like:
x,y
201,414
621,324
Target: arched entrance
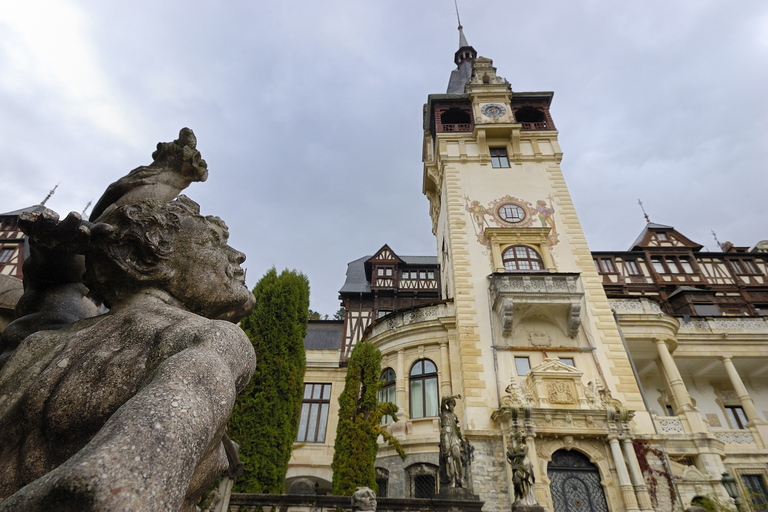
x,y
575,483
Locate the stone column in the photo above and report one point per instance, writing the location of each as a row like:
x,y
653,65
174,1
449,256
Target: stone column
x,y
401,380
682,398
627,491
445,370
741,390
643,496
757,424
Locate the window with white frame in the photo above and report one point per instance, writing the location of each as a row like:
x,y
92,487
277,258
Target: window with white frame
x,y
423,387
521,258
387,392
313,418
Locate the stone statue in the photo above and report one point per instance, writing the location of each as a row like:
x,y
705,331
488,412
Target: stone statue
x,y
522,471
54,293
364,499
127,410
451,441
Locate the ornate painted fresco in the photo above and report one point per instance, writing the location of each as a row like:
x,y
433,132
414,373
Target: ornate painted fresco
x,y
508,211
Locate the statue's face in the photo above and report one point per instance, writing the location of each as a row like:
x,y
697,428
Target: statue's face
x,y
208,278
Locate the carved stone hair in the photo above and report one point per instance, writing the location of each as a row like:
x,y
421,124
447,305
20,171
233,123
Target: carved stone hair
x,y
130,245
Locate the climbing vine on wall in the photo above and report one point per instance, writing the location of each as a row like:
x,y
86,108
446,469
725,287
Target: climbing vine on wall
x,y
651,474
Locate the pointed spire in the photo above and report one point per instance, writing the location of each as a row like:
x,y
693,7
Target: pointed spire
x,y
53,191
463,58
462,40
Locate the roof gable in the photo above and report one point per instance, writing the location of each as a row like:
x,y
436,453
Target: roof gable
x,y
385,255
661,236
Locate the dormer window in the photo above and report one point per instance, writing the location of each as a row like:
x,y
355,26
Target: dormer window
x,y
661,237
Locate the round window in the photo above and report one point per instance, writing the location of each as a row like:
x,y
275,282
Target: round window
x,y
511,212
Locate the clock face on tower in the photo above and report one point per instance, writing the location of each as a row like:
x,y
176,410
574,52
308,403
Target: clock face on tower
x,y
493,110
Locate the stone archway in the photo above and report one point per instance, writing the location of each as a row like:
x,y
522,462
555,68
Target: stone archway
x,y
575,483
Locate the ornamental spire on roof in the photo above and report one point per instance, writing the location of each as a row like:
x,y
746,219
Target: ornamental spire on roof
x,y
463,58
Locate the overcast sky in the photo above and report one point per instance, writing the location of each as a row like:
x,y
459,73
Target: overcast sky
x,y
309,114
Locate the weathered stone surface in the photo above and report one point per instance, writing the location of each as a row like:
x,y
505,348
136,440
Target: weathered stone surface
x,y
457,493
10,293
522,507
126,410
452,444
364,499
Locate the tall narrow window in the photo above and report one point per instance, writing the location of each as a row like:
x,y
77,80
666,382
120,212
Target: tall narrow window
x,y
499,158
521,257
736,416
314,413
756,492
671,263
631,267
5,255
387,391
423,380
605,266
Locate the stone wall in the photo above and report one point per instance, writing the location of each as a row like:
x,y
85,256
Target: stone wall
x,y
656,476
489,474
398,485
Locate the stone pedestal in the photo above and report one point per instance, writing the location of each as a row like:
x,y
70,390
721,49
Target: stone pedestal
x,y
521,507
457,493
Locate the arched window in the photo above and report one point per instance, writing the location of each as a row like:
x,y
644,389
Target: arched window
x,y
521,257
387,391
423,379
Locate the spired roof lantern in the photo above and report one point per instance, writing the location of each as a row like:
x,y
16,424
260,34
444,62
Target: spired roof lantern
x,y
463,58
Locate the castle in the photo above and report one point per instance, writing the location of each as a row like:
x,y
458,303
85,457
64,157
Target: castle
x,y
638,378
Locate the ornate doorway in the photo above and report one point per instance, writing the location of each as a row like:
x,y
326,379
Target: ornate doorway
x,y
575,483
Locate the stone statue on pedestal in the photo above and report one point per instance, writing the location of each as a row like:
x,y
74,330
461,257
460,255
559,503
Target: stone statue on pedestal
x,y
451,441
126,410
522,475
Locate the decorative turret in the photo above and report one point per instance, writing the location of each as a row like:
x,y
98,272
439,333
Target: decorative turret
x,y
463,58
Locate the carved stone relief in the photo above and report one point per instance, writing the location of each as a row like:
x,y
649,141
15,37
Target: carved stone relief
x,y
560,392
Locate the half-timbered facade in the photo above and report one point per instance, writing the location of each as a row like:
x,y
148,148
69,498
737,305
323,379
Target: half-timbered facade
x,y
380,284
13,246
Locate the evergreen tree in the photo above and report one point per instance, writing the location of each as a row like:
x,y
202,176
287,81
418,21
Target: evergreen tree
x,y
266,415
359,424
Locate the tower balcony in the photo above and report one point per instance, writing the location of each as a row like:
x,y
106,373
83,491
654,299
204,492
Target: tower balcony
x,y
543,125
558,295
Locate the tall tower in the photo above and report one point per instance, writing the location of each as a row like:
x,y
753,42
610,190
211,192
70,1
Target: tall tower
x,y
536,349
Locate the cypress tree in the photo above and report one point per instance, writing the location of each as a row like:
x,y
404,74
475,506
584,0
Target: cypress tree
x,y
359,424
265,418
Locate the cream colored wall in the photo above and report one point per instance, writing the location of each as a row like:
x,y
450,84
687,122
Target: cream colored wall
x,y
314,459
464,175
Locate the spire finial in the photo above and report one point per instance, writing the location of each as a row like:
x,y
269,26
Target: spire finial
x,y
716,240
647,219
456,4
50,194
86,207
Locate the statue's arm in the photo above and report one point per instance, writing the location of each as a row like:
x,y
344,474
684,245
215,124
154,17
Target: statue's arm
x,y
144,456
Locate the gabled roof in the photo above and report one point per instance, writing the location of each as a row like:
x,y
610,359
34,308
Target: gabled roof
x,y
359,271
30,209
324,335
385,254
651,228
